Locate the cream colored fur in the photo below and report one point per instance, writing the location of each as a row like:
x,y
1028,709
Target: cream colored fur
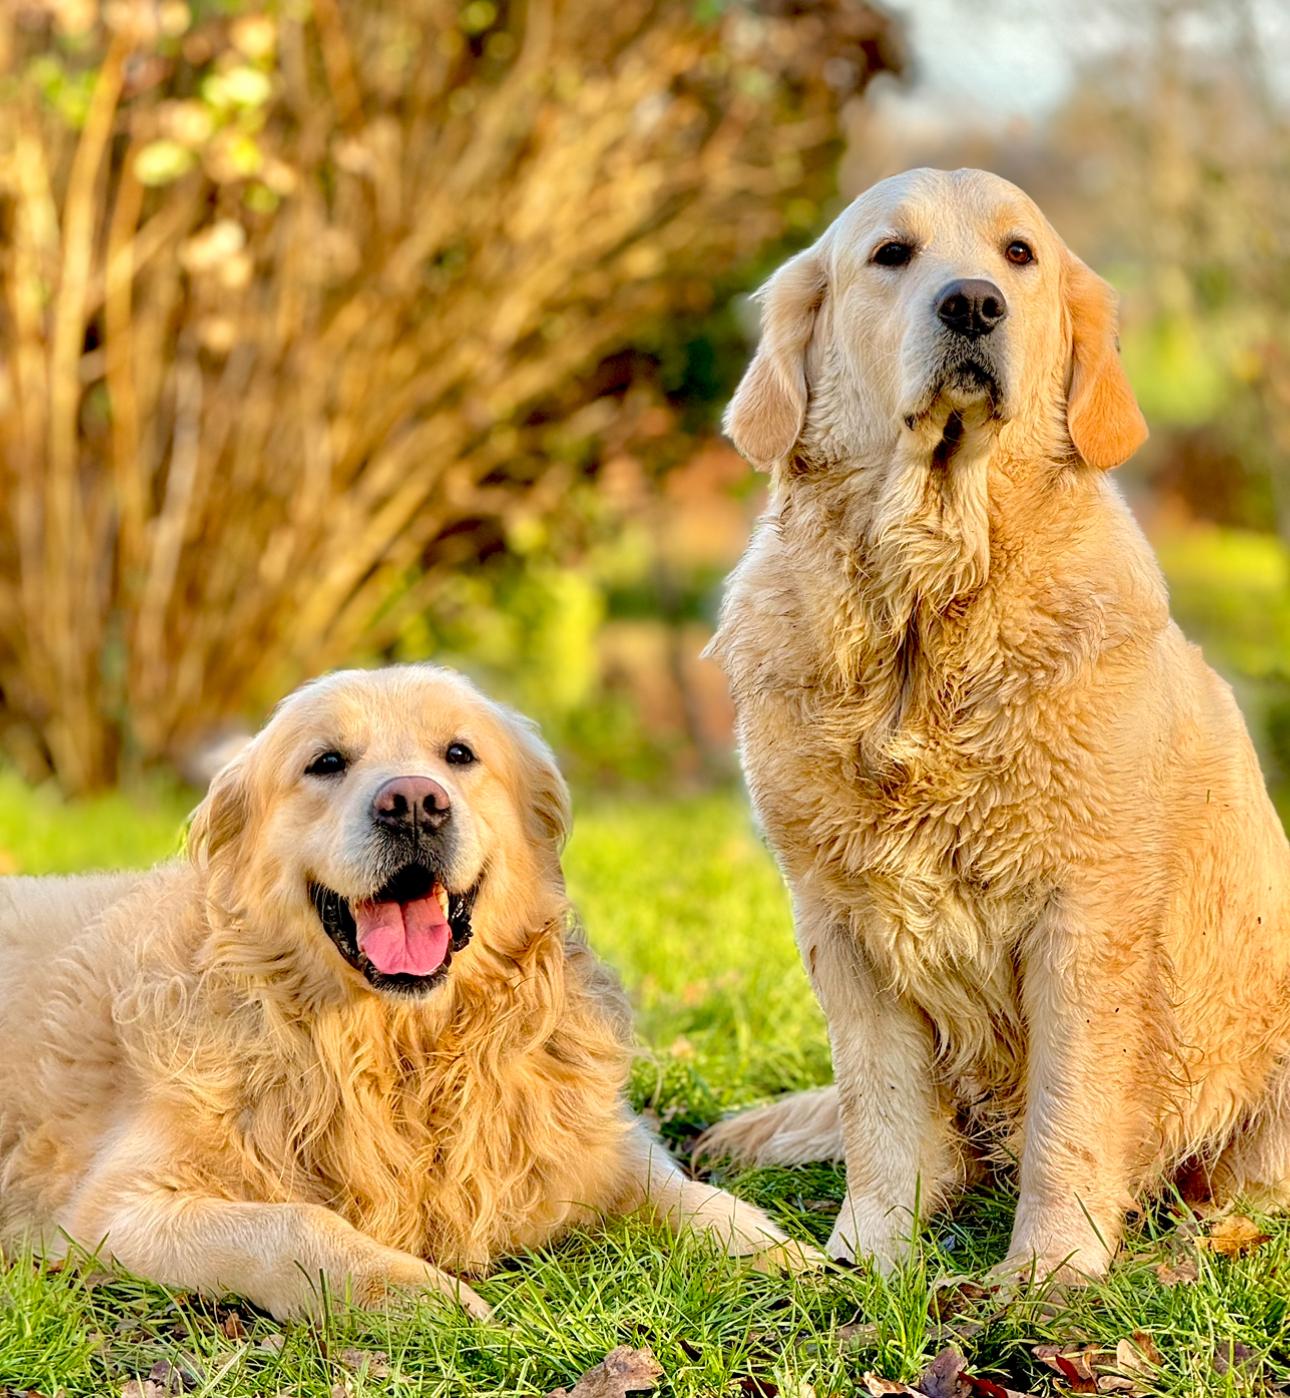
x,y
196,1079
1038,884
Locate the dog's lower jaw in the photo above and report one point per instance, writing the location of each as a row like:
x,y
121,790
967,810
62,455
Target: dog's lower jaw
x,y
951,426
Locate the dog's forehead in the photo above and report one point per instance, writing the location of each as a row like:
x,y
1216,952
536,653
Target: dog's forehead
x,y
393,706
939,206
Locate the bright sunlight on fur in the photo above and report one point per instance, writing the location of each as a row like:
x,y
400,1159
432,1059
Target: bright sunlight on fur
x,y
1038,884
351,1041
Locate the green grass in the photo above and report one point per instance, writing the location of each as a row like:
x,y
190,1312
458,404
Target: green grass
x,y
682,899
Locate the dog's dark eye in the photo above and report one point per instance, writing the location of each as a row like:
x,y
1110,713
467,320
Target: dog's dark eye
x,y
893,254
327,764
459,755
1019,253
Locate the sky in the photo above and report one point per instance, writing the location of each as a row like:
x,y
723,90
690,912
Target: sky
x,y
992,61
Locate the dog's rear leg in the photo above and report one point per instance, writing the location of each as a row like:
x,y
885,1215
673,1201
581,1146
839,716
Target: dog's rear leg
x,y
1256,1165
796,1130
658,1185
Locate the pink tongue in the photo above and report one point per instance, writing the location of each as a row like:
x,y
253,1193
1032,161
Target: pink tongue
x,y
403,939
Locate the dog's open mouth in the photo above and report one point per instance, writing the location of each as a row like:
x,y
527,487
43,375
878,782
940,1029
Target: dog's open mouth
x,y
403,937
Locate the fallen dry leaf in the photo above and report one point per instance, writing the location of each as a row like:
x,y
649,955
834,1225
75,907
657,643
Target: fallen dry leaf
x,y
1076,1364
174,1378
945,1377
622,1371
1138,1354
1236,1356
879,1386
941,1377
1233,1236
1181,1273
233,1326
142,1388
1091,1369
364,1361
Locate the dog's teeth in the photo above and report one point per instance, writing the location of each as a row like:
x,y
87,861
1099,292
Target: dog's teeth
x,y
441,893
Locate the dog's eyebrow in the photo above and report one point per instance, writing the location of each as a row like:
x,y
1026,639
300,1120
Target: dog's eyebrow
x,y
891,235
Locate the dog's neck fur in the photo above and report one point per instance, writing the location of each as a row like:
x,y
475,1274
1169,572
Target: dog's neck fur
x,y
913,557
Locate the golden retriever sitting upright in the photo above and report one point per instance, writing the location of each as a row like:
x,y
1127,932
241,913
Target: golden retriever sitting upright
x,y
1038,884
350,1033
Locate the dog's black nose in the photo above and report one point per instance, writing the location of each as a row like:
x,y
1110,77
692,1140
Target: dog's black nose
x,y
405,804
971,307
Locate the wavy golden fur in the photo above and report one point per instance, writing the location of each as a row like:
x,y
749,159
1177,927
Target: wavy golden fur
x,y
1038,883
198,1078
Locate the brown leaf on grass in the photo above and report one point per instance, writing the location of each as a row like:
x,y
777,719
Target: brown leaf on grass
x,y
622,1371
142,1388
941,1378
1181,1273
1076,1364
233,1326
174,1379
1139,1354
1238,1357
1092,1369
858,1334
879,1386
1233,1236
945,1377
371,1363
956,1304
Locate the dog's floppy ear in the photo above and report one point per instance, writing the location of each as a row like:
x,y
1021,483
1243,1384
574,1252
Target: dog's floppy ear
x,y
224,813
542,786
1102,415
765,417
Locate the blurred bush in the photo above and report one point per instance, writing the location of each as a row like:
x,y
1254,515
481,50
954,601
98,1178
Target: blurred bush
x,y
308,308
1230,591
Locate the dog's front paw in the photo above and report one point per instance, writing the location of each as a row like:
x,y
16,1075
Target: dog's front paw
x,y
879,1248
410,1277
1043,1276
791,1257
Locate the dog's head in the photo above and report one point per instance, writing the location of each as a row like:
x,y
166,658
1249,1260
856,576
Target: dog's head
x,y
936,298
382,824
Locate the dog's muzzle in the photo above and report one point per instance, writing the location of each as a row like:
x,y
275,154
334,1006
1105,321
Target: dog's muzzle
x,y
403,937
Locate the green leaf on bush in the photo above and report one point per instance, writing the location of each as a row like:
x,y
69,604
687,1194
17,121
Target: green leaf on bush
x,y
162,162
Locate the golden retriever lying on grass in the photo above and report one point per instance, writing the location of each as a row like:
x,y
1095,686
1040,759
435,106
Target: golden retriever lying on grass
x,y
350,1032
1038,884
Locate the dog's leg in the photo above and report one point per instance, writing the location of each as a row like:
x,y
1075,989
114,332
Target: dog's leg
x,y
658,1184
279,1256
1092,1081
896,1134
1256,1166
795,1130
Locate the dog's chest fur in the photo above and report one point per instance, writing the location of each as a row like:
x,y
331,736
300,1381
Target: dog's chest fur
x,y
462,1142
910,729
